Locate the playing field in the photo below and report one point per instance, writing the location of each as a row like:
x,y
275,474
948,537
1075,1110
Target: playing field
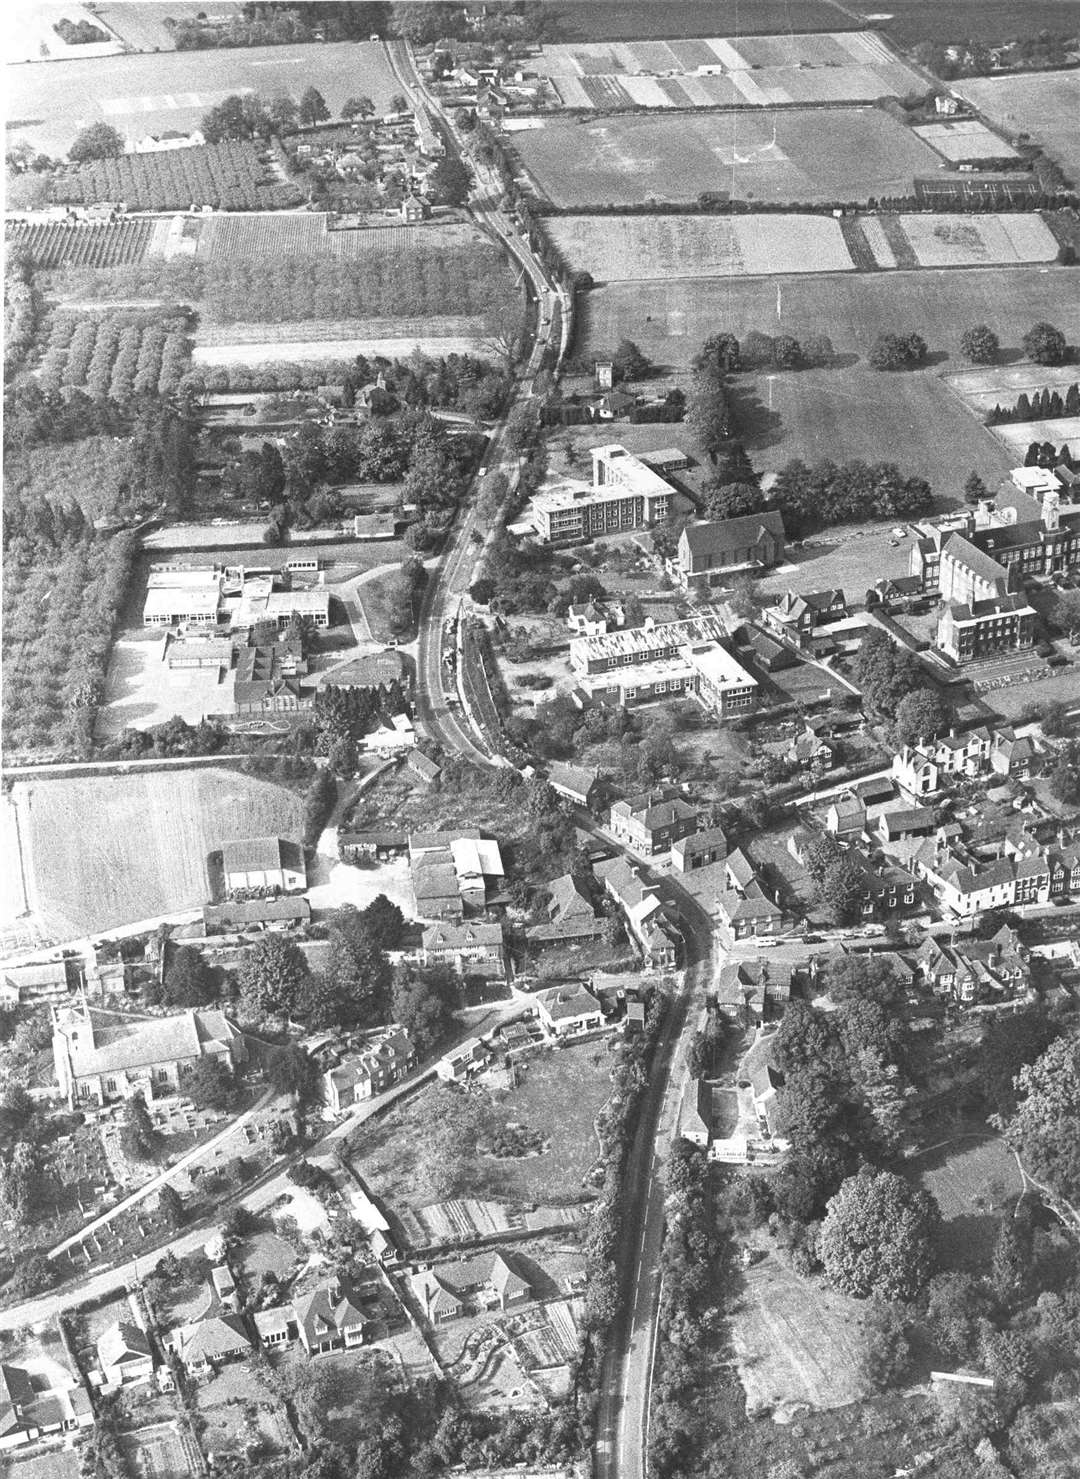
x,y
111,850
790,156
646,248
824,67
670,320
147,94
1045,105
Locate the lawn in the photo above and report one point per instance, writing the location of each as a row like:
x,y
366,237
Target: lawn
x,y
110,850
141,95
973,1180
796,1341
376,598
1040,104
60,1464
238,1407
791,155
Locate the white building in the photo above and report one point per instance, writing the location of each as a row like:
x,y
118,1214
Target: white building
x,y
624,494
673,658
180,598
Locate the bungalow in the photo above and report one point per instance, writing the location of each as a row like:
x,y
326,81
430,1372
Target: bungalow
x,y
424,768
436,1298
33,1405
124,1356
695,1113
488,1281
209,1343
568,1010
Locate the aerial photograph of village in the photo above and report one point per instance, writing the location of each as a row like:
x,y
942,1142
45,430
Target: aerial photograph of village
x,y
540,810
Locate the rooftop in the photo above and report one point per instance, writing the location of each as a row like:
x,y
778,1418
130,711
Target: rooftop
x,y
641,641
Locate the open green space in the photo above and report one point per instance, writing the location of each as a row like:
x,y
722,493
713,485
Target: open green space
x,y
991,22
1045,105
140,95
788,155
973,1181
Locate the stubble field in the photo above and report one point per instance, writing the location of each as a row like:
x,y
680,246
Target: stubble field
x,y
791,155
109,850
663,247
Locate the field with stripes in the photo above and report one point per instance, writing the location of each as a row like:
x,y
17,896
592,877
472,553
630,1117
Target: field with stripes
x,y
759,71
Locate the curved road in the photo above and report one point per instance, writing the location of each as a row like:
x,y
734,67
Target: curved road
x,y
435,685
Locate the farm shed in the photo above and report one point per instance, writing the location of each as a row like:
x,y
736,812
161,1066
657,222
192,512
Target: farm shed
x,y
264,862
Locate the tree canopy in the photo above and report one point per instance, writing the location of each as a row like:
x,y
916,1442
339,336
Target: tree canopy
x,y
96,141
877,1237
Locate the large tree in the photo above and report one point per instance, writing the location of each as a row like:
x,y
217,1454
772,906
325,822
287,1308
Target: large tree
x,y
313,107
628,361
1045,344
96,141
730,501
423,1002
189,981
273,977
980,344
877,1237
450,181
920,715
359,971
1046,1127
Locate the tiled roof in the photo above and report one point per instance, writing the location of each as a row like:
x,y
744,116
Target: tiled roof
x,y
108,1042
260,854
708,535
561,1003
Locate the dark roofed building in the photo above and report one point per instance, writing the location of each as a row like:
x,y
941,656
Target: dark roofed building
x,y
242,913
710,549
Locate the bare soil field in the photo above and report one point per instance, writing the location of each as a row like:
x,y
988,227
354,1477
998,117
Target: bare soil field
x,y
972,1180
1045,105
659,248
790,155
796,1340
147,94
611,20
821,67
109,850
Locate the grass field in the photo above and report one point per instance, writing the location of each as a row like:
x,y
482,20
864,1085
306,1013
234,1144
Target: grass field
x,y
140,95
795,1340
110,850
560,1096
792,155
1046,105
670,321
972,1180
645,248
142,27
613,20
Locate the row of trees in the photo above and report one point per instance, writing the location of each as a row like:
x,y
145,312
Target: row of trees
x,y
22,309
812,497
1041,405
228,173
759,351
122,355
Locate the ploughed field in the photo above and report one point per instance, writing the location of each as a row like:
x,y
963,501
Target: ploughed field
x,y
786,156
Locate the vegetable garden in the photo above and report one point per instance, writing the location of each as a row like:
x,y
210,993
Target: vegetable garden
x,y
228,176
82,243
122,354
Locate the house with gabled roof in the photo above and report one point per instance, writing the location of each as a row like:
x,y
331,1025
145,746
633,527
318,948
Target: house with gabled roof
x,y
845,815
581,784
654,821
648,920
568,1010
571,914
472,946
796,616
330,1318
491,1280
36,1405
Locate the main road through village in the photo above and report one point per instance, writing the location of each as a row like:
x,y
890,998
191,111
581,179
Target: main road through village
x,y
622,1426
